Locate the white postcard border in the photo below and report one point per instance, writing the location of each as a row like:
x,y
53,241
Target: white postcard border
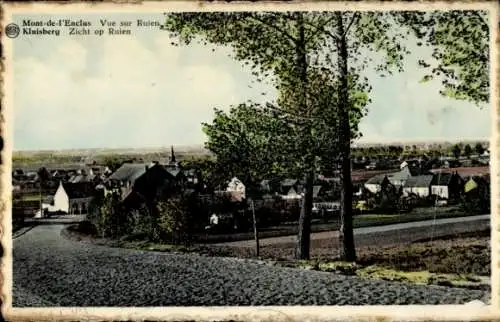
x,y
278,313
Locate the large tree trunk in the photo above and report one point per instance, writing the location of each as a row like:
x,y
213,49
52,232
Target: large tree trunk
x,y
346,234
304,229
304,234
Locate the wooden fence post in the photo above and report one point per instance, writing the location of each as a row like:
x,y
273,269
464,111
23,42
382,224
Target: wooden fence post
x,y
256,233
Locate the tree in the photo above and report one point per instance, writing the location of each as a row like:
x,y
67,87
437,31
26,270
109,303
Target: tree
x,y
479,149
321,141
106,215
460,43
174,220
248,142
206,171
435,153
113,162
43,177
476,200
456,150
387,199
289,45
467,150
439,149
392,150
307,41
254,143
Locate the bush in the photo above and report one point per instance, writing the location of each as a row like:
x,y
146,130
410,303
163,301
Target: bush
x,y
142,225
477,201
174,221
85,227
17,221
387,200
106,214
171,219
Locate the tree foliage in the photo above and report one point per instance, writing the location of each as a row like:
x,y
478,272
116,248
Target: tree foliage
x,y
467,150
142,224
249,142
254,143
113,162
478,200
106,215
174,220
479,149
294,50
387,199
43,174
456,150
206,170
314,60
460,50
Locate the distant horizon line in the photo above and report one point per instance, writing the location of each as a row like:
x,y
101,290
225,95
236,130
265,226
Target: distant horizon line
x,y
187,147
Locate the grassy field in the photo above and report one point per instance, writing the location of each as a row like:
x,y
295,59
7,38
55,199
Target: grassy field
x,y
31,197
359,221
462,260
79,157
467,253
416,215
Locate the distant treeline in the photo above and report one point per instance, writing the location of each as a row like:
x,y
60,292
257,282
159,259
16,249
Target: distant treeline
x,y
456,150
23,159
47,159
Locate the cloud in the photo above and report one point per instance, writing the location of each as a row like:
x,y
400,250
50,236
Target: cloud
x,y
138,92
138,96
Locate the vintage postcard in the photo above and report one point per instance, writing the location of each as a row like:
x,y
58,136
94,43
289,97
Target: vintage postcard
x,y
238,161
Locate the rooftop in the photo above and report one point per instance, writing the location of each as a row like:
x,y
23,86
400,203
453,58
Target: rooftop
x,y
79,190
129,172
423,181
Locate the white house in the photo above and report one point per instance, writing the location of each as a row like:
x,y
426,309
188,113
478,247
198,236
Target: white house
x,y
73,198
61,199
418,185
447,185
236,187
374,184
291,194
399,178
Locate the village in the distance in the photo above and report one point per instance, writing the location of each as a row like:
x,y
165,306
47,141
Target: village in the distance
x,y
386,178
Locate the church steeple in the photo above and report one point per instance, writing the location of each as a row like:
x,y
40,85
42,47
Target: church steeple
x,y
172,155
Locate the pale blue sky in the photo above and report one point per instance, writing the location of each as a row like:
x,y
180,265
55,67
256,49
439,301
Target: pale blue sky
x,y
139,91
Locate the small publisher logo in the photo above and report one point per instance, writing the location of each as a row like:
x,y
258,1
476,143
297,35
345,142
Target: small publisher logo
x,y
12,30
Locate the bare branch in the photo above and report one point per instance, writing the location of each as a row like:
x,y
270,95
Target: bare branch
x,y
322,29
353,19
318,29
286,34
290,114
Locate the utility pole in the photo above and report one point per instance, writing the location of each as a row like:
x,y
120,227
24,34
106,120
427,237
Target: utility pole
x,y
41,200
255,232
